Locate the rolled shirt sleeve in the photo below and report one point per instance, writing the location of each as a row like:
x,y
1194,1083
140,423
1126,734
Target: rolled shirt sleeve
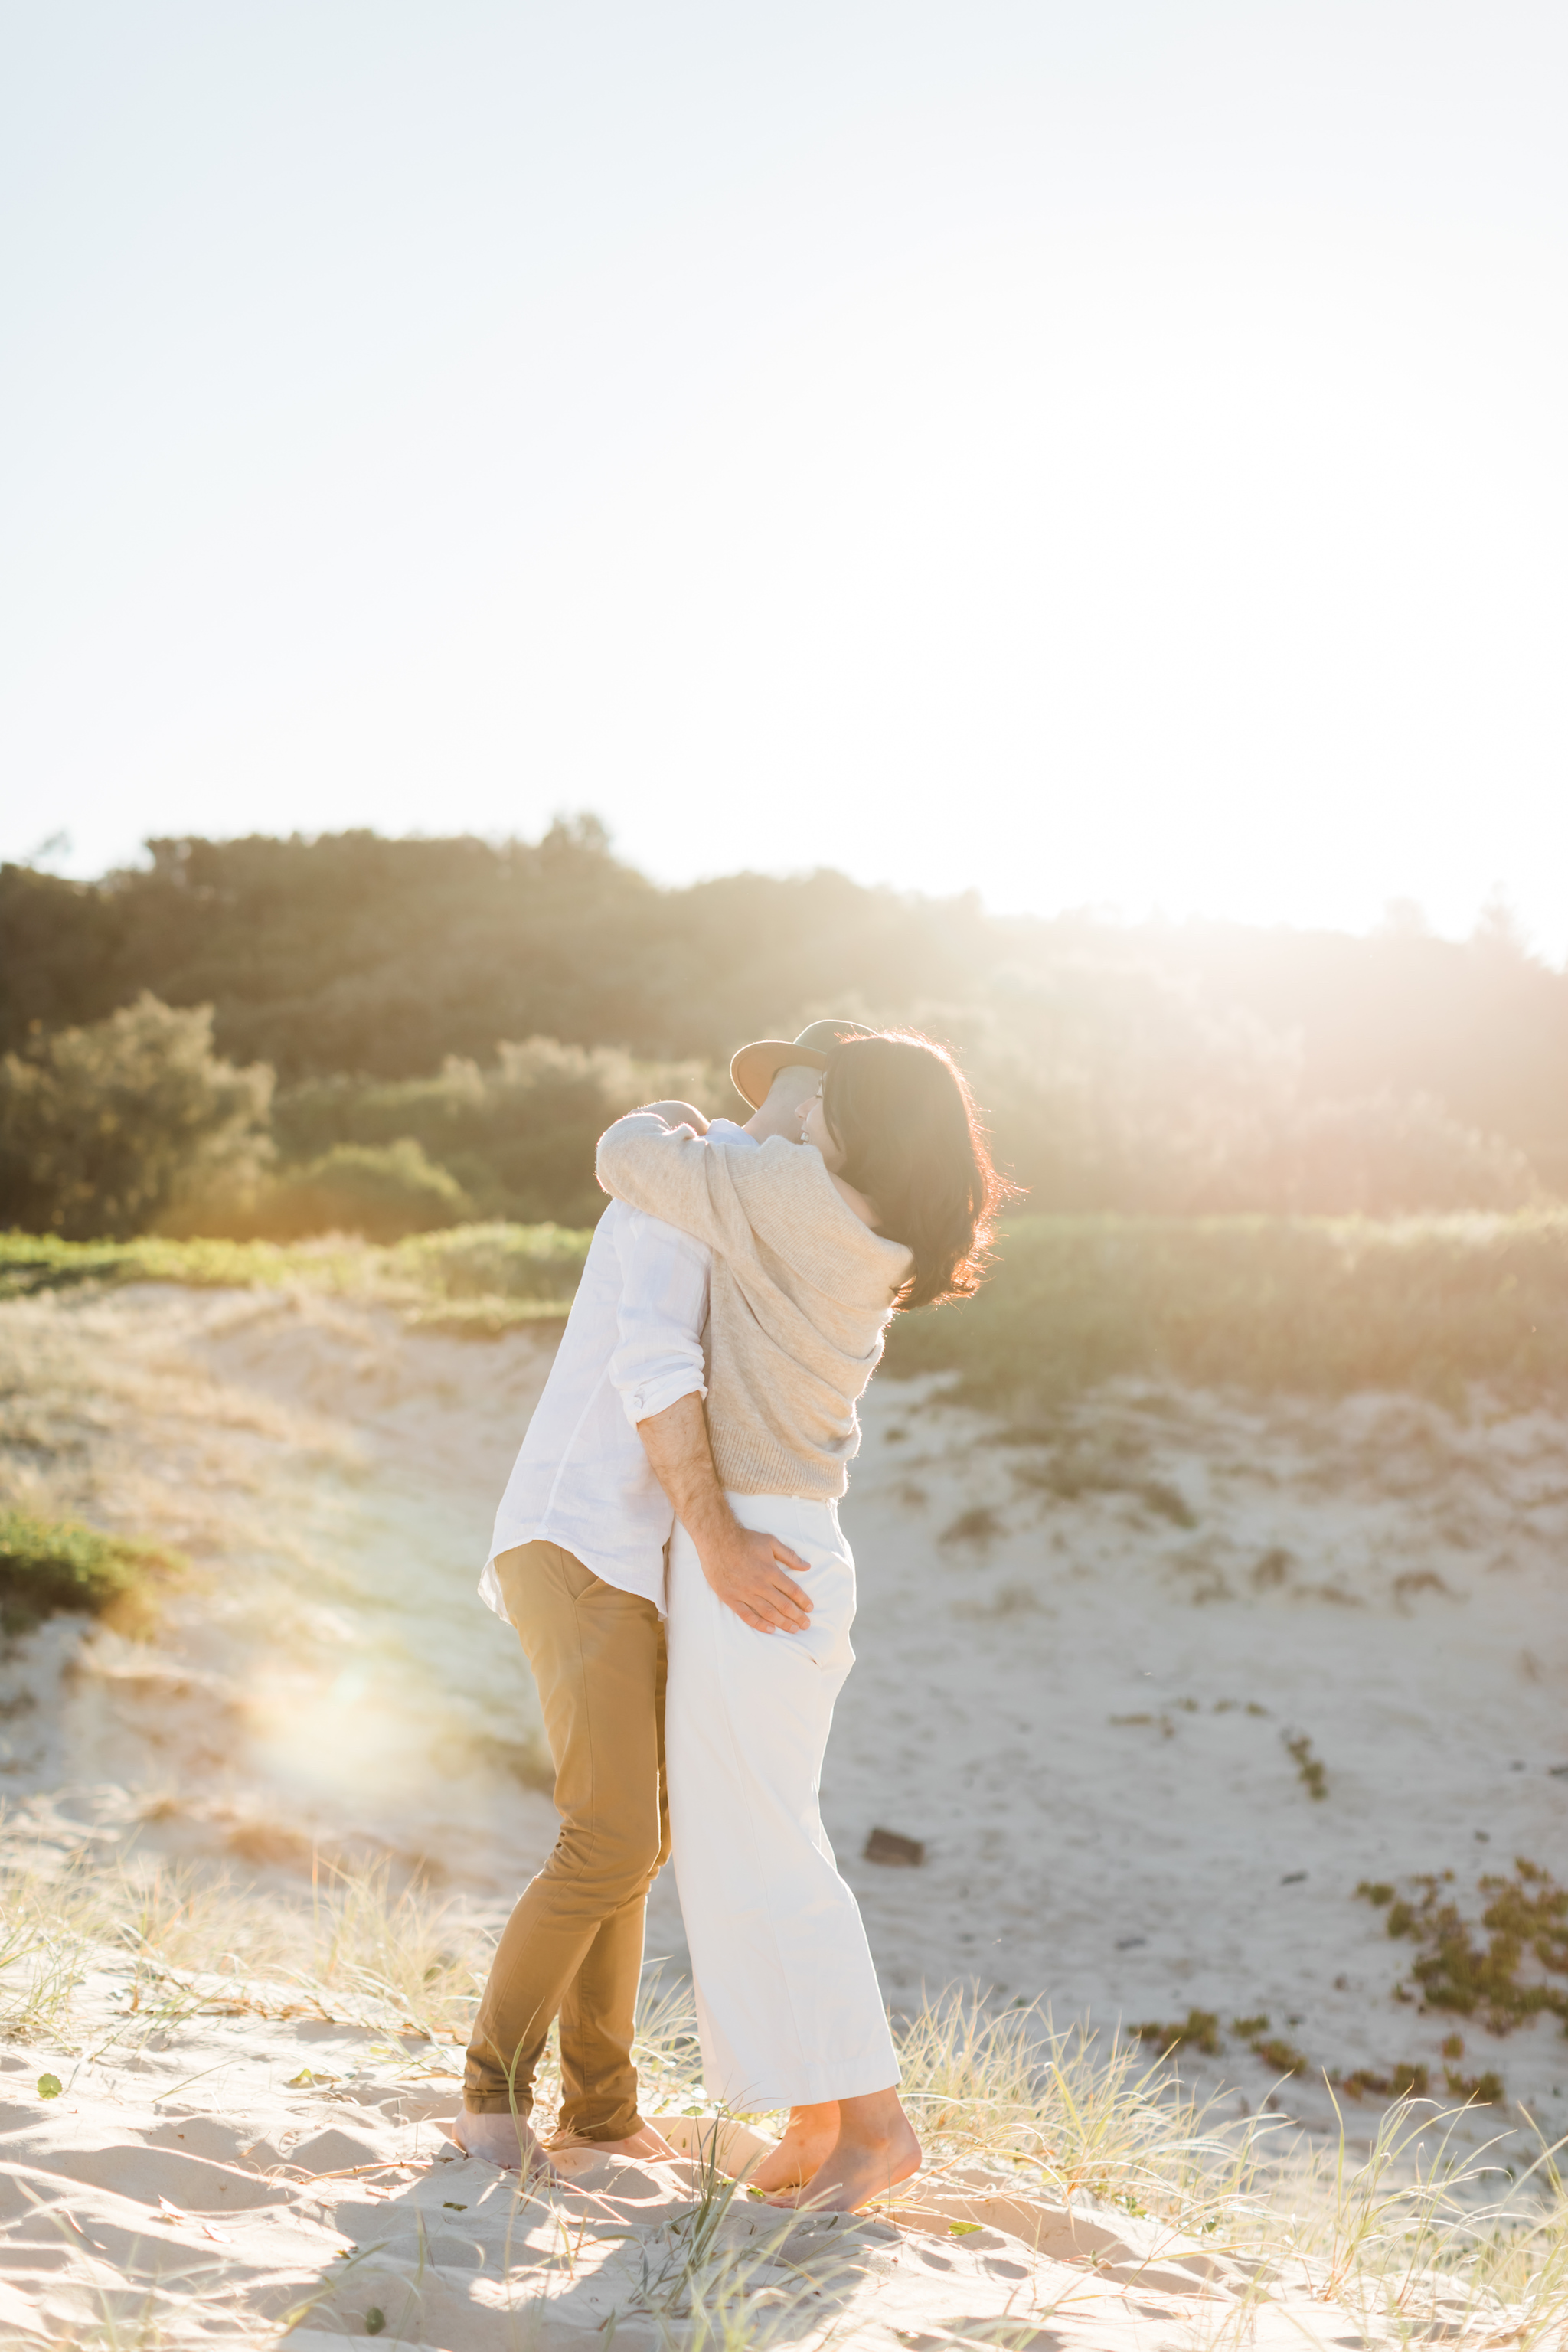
x,y
660,1318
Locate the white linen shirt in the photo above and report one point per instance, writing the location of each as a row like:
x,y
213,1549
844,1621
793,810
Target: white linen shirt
x,y
632,1346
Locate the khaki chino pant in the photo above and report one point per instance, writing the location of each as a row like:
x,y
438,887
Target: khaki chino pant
x,y
573,1946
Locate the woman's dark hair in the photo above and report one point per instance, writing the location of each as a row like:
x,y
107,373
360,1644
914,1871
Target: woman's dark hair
x,y
899,1109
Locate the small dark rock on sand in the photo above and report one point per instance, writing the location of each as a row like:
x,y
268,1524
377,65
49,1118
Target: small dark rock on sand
x,y
901,1853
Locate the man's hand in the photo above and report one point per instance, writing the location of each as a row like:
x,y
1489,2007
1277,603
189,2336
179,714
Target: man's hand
x,y
741,1565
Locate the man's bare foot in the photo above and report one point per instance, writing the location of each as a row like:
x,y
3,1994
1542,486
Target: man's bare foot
x,y
504,2139
644,2146
876,2148
808,2141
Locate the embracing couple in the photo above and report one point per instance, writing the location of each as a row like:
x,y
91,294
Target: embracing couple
x,y
684,1594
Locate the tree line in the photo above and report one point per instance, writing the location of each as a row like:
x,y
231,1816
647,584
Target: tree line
x,y
280,1034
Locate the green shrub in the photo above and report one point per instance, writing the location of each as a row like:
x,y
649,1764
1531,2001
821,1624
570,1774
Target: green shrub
x,y
1156,1068
1112,1085
103,1129
517,1136
1306,1304
382,1191
49,1565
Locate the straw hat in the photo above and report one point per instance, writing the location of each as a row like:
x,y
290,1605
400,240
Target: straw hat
x,y
755,1067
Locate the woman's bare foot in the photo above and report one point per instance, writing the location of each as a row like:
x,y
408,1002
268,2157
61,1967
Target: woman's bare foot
x,y
644,2146
876,2148
807,2143
502,2139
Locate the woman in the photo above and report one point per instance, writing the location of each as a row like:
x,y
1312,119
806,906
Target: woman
x,y
885,1204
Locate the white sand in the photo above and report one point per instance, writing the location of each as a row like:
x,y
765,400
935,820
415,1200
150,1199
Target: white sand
x,y
1374,1575
151,2210
1417,1635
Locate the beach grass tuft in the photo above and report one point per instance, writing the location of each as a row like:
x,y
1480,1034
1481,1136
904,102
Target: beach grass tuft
x,y
184,1940
1404,2231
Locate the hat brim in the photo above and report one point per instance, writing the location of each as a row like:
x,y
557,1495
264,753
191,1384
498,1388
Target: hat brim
x,y
755,1067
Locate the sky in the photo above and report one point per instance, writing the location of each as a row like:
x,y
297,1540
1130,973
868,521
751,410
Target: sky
x,y
1105,456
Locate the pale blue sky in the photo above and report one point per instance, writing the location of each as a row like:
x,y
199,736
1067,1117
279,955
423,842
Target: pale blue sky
x,y
1106,454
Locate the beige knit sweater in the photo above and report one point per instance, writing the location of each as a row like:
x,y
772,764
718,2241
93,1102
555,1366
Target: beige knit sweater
x,y
801,1296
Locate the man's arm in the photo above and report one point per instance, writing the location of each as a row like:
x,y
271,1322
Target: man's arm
x,y
741,1564
660,1316
657,1372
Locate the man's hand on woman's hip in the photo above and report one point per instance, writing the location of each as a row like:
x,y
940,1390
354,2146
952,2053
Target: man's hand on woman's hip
x,y
746,1570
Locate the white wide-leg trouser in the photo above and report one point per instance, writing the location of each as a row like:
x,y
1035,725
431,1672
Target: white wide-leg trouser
x,y
788,2006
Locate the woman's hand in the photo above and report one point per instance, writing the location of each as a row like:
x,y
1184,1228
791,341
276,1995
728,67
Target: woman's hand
x,y
674,1114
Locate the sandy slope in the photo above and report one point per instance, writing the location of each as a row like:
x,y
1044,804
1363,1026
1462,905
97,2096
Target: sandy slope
x,y
256,2173
1060,1702
1081,1655
257,2169
328,1675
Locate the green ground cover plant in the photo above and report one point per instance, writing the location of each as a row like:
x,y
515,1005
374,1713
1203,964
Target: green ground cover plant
x,y
48,1566
1282,2055
1516,1971
1200,2027
1310,1770
1402,2082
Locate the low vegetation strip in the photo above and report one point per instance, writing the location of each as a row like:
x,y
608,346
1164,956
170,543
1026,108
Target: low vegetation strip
x,y
471,1278
1315,1305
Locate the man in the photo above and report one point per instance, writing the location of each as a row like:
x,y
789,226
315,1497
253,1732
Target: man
x,y
577,1566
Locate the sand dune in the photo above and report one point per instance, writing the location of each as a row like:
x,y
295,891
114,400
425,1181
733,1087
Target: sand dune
x,y
1086,1648
297,2178
1082,1654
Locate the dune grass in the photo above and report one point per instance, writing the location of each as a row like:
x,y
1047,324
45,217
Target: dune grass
x,y
97,1960
1313,1304
185,1939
